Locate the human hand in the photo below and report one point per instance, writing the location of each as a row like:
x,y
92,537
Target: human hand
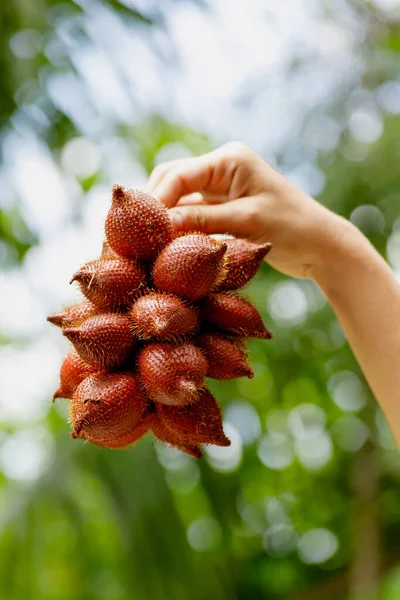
x,y
232,190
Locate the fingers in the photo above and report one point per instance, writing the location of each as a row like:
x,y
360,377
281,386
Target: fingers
x,y
219,175
159,172
239,217
202,198
180,179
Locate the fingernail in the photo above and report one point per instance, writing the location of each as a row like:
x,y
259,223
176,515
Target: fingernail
x,y
176,218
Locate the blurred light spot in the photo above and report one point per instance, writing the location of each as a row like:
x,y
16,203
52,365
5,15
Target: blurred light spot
x,y
354,151
229,458
385,435
253,513
280,540
368,219
306,421
308,178
317,546
80,158
333,41
387,5
337,335
172,151
388,96
365,125
260,386
184,479
204,534
26,43
45,198
347,391
323,132
244,417
20,311
393,249
314,453
310,342
277,421
25,455
350,433
276,512
287,303
275,451
120,164
171,458
314,295
26,398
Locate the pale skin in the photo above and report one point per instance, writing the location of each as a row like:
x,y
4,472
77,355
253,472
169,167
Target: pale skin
x,y
232,190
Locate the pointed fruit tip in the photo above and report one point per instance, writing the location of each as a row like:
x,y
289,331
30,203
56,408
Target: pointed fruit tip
x,y
221,249
55,320
81,277
71,333
57,394
248,372
118,193
195,452
263,249
222,440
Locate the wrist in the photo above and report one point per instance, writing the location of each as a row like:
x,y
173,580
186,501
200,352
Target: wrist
x,y
344,251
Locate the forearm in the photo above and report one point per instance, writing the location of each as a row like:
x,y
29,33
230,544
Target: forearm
x,y
366,299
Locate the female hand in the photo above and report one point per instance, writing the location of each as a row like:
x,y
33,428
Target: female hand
x,y
232,190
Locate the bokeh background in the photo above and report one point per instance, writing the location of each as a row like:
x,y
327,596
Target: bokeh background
x,y
305,504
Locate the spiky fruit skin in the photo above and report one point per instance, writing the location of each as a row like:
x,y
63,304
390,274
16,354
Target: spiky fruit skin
x,y
74,314
163,317
242,261
233,314
172,374
107,409
137,226
111,283
73,371
226,358
104,341
189,266
198,423
164,434
139,362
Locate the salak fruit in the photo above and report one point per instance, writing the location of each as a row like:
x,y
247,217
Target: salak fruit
x,y
160,314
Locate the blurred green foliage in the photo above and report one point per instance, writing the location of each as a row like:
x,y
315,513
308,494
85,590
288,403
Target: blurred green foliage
x,y
151,524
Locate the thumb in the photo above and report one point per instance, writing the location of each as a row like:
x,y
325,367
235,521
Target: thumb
x,y
229,217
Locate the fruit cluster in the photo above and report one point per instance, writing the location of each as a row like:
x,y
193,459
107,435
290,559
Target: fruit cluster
x,y
159,316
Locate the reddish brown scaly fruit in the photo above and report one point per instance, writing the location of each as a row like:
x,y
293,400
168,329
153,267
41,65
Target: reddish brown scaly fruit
x,y
163,317
73,371
242,261
111,283
233,314
198,423
172,374
142,289
76,313
137,225
104,341
108,409
226,357
189,266
165,435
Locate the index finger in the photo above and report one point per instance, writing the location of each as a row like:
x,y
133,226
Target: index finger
x,y
180,178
